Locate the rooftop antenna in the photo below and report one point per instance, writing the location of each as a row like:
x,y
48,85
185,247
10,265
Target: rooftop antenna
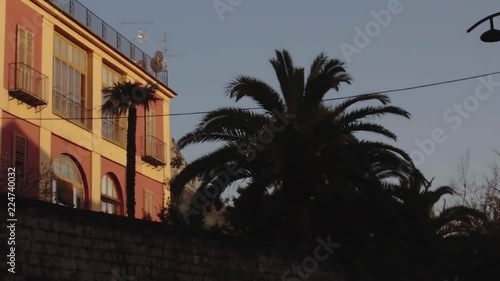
x,y
135,22
165,48
142,36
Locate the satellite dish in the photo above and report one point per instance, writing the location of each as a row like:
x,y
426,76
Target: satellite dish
x,y
142,64
159,55
156,62
156,66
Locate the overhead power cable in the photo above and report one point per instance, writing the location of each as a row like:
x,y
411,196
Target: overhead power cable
x,y
258,108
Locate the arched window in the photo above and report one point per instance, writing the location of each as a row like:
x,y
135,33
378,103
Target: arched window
x,y
110,201
67,184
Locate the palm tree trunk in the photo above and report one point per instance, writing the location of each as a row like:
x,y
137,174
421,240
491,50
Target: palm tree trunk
x,y
131,150
299,211
296,187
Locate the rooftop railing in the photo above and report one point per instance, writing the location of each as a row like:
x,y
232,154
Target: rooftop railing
x,y
98,27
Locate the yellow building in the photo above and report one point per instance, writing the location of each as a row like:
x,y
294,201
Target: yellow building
x,y
57,57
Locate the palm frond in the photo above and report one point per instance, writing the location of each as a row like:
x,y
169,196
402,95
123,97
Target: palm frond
x,y
317,66
342,107
330,77
198,167
371,111
369,127
123,94
226,124
263,94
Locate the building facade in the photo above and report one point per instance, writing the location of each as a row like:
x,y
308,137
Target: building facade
x,y
56,56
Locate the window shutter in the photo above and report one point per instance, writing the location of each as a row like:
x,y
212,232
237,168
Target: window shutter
x,y
20,148
146,201
25,58
30,49
151,203
25,46
21,45
150,129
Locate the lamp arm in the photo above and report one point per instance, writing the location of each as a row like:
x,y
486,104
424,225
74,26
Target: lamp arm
x,y
490,17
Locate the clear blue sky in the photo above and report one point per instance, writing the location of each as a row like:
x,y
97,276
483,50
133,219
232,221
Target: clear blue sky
x,y
426,42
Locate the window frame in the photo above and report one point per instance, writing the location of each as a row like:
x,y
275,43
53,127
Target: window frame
x,y
148,206
78,187
70,61
108,124
107,199
20,179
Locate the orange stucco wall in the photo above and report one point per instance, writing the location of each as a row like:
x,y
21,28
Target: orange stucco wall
x,y
142,183
29,19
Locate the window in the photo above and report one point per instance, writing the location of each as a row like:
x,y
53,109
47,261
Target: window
x,y
150,132
110,203
113,128
70,68
25,59
109,76
19,158
150,123
67,184
148,201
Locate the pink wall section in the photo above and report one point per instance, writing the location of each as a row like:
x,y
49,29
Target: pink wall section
x,y
31,132
29,19
142,183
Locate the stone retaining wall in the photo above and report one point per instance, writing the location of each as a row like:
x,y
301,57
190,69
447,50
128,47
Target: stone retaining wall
x,y
55,243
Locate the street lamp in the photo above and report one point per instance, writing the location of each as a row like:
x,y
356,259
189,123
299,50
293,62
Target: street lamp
x,y
490,36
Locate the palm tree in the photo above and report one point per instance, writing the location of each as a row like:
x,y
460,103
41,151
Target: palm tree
x,y
398,234
121,99
299,144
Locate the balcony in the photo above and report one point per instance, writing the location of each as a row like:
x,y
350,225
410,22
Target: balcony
x,y
114,132
154,151
102,30
72,109
27,85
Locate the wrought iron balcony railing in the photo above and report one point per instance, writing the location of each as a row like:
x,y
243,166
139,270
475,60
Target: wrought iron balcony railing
x,y
27,85
154,151
114,132
102,30
72,108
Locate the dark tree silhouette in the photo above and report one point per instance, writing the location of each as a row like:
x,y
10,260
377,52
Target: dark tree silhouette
x,y
121,99
299,145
